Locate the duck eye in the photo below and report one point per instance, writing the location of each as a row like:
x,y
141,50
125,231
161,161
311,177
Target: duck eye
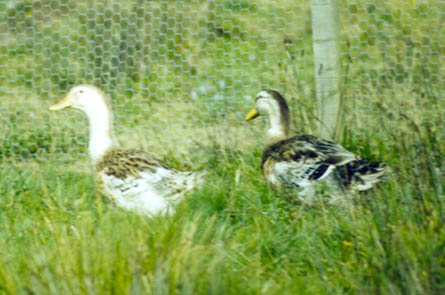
x,y
80,91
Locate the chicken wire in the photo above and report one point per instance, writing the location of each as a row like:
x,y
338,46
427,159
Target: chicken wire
x,y
393,69
182,74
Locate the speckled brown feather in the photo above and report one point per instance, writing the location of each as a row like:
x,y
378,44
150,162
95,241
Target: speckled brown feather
x,y
122,163
305,148
320,154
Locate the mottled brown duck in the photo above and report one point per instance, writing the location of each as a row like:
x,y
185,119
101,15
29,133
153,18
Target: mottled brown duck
x,y
305,162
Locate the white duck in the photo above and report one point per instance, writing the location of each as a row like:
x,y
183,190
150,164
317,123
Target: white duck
x,y
305,161
132,179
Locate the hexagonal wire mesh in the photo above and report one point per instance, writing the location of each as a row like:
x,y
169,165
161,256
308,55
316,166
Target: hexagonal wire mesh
x,y
182,74
393,67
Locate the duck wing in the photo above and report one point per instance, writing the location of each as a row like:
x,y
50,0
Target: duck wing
x,y
301,160
138,181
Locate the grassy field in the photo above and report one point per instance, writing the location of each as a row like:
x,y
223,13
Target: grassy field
x,y
181,81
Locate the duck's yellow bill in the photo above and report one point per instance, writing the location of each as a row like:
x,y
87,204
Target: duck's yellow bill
x,y
252,114
64,103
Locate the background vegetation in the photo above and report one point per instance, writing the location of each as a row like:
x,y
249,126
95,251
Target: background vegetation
x,y
181,75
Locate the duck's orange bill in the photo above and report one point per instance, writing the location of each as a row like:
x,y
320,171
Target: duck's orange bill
x,y
252,114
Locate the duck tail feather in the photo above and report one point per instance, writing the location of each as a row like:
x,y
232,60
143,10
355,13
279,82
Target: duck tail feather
x,y
360,174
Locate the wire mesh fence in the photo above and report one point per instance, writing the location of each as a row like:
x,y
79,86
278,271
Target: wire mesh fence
x,y
181,74
393,67
178,72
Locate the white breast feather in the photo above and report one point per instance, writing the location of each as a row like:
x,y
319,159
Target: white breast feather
x,y
153,192
296,173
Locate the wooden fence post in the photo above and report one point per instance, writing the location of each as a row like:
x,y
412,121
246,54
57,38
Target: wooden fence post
x,y
325,38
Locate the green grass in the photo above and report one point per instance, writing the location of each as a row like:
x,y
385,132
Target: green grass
x,y
182,91
234,236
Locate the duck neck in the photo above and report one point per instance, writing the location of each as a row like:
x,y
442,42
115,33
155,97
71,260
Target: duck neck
x,y
101,132
279,127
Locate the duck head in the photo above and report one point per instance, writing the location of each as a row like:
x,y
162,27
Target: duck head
x,y
95,104
271,103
